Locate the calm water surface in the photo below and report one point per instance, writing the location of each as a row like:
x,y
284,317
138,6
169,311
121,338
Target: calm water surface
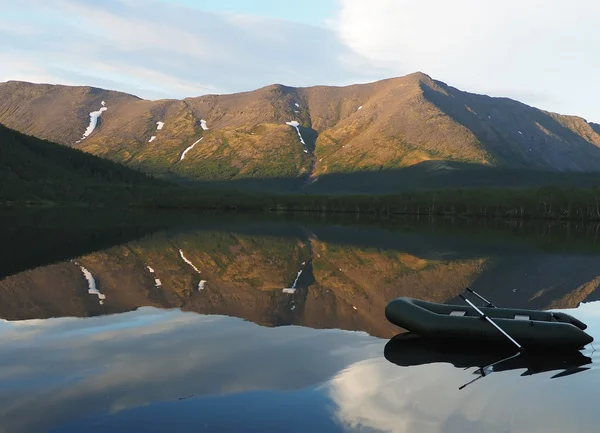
x,y
221,323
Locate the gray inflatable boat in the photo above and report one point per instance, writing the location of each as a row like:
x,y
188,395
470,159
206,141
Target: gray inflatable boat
x,y
530,328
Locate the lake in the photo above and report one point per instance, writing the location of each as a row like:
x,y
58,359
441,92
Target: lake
x,y
132,321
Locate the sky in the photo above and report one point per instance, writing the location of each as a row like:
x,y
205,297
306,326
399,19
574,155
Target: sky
x,y
541,52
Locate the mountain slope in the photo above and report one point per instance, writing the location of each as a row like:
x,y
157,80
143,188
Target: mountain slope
x,y
33,169
285,132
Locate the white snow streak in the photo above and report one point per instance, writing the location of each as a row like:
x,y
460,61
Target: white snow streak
x,y
159,125
94,115
296,104
103,103
520,132
292,289
150,269
92,289
152,139
201,284
359,108
157,282
188,262
293,308
295,125
203,124
188,149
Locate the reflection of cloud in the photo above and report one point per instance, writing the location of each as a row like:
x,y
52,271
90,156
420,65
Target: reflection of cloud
x,y
110,363
425,399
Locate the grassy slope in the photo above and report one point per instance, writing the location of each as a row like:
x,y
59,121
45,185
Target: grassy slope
x,y
403,122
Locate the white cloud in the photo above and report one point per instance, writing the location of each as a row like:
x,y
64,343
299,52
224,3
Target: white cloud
x,y
542,52
538,51
156,49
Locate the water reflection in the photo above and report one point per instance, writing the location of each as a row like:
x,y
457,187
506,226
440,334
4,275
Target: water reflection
x,y
166,370
408,350
315,274
207,349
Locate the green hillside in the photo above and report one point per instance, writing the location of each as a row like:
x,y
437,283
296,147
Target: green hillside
x,y
32,169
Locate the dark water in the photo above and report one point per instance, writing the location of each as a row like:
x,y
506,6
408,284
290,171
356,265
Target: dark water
x,y
132,322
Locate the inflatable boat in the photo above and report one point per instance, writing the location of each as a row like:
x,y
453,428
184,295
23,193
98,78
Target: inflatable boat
x,y
528,328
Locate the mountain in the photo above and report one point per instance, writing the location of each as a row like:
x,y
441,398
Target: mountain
x,y
281,132
35,169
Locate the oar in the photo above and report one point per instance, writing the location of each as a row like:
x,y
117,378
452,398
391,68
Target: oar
x,y
489,304
488,369
491,322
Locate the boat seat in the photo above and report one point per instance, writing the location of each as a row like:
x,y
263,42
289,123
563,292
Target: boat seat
x,y
521,317
457,313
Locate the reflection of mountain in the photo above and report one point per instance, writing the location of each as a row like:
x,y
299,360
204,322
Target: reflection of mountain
x,y
343,285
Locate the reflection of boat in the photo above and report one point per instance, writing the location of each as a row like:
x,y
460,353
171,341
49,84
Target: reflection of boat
x,y
530,328
408,350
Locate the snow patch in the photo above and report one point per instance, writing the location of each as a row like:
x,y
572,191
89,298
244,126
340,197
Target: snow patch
x,y
295,124
201,284
296,104
94,115
292,289
520,132
203,124
159,125
103,103
152,139
150,269
157,282
189,148
359,108
293,308
92,289
187,261
354,307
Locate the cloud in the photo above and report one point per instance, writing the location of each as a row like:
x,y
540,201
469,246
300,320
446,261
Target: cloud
x,y
539,51
542,53
156,49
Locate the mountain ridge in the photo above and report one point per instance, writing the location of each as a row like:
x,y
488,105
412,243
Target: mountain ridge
x,y
388,124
